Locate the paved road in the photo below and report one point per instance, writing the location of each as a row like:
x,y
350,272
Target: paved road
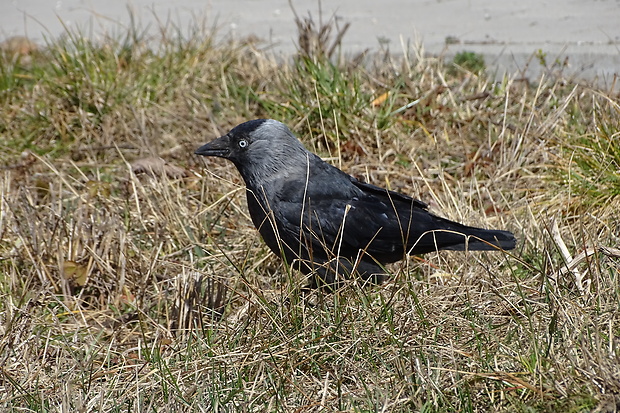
x,y
507,33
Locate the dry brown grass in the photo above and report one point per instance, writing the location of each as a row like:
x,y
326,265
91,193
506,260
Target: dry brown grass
x,y
127,287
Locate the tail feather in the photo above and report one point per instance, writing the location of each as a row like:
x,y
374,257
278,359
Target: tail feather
x,y
452,236
477,239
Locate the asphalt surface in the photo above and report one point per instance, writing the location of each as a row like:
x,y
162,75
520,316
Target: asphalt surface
x,y
584,34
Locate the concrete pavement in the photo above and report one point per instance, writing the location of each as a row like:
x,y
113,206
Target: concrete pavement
x,y
587,32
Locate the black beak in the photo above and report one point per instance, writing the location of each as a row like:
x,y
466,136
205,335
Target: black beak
x,y
217,147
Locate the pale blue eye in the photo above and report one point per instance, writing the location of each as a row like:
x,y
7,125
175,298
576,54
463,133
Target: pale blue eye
x,y
243,143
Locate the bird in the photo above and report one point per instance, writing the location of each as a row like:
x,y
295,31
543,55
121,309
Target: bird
x,y
328,224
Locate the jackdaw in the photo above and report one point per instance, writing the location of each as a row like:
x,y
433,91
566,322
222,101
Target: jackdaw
x,y
325,222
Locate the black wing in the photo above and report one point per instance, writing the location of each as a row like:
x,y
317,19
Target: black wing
x,y
341,216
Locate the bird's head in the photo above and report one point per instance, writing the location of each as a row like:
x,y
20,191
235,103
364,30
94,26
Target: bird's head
x,y
261,149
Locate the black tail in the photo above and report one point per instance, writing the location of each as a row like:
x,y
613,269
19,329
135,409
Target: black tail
x,y
452,236
477,239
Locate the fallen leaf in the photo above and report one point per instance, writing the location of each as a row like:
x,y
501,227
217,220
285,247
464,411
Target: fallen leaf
x,y
98,188
156,166
382,98
75,272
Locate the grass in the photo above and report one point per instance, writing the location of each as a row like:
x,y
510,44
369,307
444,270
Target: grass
x,y
130,284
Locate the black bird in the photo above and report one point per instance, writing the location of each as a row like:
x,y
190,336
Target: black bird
x,y
325,222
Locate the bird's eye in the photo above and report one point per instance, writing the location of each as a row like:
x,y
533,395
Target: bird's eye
x,y
243,143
